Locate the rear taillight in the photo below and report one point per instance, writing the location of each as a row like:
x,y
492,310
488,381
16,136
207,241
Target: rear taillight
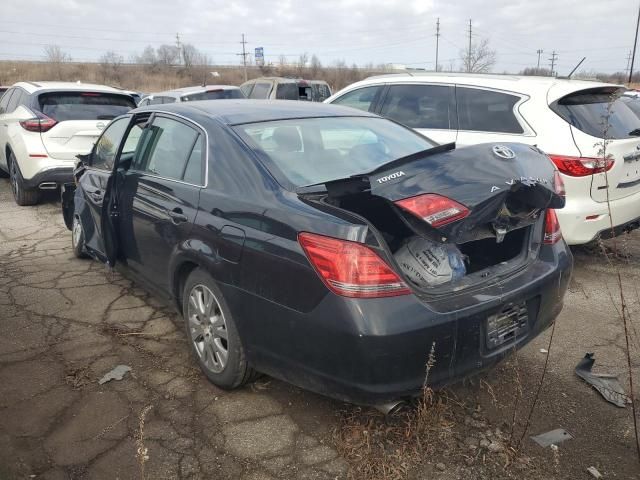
x,y
434,209
351,269
558,184
552,231
581,166
39,123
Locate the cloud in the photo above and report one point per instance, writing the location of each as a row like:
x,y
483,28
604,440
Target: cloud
x,y
360,31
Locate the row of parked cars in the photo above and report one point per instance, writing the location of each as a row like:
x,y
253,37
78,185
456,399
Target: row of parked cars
x,y
327,245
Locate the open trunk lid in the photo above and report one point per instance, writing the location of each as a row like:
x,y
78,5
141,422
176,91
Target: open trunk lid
x,y
502,188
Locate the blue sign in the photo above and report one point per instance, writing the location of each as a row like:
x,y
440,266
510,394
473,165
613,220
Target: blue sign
x,y
259,56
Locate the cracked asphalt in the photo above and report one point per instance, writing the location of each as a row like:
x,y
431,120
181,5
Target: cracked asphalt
x,y
64,323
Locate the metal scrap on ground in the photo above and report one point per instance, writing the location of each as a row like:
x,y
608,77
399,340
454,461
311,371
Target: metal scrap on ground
x,y
552,437
608,385
116,374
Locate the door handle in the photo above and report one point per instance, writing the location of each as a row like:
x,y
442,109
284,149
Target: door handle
x,y
177,216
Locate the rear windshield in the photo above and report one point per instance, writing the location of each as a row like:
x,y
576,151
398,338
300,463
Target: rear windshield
x,y
307,151
633,103
598,112
62,106
214,95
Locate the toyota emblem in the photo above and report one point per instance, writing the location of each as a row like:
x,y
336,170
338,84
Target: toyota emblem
x,y
503,152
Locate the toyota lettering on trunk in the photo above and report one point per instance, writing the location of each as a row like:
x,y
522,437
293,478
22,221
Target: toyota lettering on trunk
x,y
392,176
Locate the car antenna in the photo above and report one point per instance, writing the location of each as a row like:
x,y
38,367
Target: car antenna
x,y
576,67
408,72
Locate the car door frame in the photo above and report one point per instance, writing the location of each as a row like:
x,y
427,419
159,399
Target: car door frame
x,y
108,207
452,106
158,287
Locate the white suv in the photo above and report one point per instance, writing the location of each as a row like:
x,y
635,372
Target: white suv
x,y
44,125
562,117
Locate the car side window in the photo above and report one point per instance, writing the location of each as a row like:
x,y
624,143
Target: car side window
x,y
143,102
418,106
105,150
246,89
168,146
194,169
14,101
487,111
4,101
260,90
362,98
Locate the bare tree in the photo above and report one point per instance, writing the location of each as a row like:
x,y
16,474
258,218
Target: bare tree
x,y
148,56
543,72
110,66
190,55
480,59
54,54
168,55
301,66
56,57
314,66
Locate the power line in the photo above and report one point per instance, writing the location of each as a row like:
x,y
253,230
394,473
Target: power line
x,y
244,57
469,53
553,59
539,52
437,40
633,57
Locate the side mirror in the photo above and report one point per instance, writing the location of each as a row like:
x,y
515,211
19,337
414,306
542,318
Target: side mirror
x,y
83,159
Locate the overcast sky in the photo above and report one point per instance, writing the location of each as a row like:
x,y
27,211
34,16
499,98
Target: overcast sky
x,y
360,31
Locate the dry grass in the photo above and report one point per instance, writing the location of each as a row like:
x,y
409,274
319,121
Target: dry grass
x,y
146,78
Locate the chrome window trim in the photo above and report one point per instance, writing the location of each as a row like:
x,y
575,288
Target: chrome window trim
x,y
200,129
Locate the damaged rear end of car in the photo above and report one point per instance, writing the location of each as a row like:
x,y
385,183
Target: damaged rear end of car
x,y
458,250
452,219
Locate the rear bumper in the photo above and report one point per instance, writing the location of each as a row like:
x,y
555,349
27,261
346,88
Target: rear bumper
x,y
577,230
57,176
375,350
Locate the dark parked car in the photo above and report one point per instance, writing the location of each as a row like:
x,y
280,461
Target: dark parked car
x,y
325,246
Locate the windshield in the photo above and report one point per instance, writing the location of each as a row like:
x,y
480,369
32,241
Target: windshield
x,y
593,110
62,106
633,103
315,150
214,95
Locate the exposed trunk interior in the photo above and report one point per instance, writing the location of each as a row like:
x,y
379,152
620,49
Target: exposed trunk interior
x,y
479,255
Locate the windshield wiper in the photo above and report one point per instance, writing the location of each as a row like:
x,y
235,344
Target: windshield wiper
x,y
635,132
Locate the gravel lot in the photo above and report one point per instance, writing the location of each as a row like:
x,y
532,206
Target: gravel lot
x,y
64,323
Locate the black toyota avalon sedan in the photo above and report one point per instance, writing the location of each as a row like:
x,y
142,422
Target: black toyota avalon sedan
x,y
325,246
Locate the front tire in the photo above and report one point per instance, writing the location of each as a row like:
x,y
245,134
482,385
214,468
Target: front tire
x,y
212,333
77,238
21,194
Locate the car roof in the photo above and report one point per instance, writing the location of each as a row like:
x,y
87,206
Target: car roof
x,y
33,87
233,112
179,92
553,87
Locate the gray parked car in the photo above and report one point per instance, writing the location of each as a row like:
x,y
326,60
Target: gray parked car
x,y
283,88
191,94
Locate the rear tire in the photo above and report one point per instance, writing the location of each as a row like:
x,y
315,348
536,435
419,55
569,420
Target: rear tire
x,y
77,238
22,195
212,334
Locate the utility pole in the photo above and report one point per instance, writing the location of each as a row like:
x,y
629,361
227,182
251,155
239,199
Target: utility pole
x,y
469,52
179,47
539,52
635,43
553,59
244,57
626,70
437,40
